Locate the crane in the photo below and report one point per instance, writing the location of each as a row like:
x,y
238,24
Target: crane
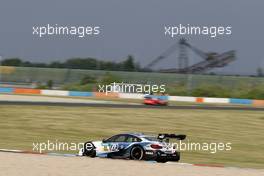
x,y
210,60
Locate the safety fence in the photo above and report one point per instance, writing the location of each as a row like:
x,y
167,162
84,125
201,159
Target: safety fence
x,y
34,75
7,90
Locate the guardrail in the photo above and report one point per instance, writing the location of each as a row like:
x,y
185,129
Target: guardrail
x,y
10,90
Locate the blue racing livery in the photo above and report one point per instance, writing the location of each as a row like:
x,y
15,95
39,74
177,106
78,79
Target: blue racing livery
x,y
135,146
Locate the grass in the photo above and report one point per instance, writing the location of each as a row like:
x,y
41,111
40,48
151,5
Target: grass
x,y
22,125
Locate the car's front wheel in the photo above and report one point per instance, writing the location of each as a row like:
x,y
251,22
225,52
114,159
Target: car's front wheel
x,y
89,150
137,153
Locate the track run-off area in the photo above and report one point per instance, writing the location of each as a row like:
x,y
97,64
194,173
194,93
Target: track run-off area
x,y
35,164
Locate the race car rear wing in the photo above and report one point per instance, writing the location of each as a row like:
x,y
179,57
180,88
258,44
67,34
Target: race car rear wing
x,y
175,136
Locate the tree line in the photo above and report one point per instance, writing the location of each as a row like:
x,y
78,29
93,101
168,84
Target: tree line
x,y
78,63
128,64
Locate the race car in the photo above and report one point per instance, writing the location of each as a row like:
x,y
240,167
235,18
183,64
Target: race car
x,y
135,146
155,100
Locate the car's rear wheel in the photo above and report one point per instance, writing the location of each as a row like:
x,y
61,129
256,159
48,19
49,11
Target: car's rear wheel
x,y
137,153
178,157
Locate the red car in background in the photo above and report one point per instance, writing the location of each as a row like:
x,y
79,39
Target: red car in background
x,y
155,100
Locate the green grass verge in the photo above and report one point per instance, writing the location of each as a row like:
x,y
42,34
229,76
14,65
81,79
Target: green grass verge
x,y
22,125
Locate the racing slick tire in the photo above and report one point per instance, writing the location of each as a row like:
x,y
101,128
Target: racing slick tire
x,y
89,150
178,156
137,153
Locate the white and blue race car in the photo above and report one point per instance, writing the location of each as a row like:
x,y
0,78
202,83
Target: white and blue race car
x,y
135,146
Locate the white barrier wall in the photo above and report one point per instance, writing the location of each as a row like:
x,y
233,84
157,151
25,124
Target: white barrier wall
x,y
10,90
216,100
184,99
54,92
130,96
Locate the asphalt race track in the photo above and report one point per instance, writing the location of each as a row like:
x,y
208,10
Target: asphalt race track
x,y
55,101
108,105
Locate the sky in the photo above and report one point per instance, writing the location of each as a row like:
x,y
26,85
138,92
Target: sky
x,y
132,27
